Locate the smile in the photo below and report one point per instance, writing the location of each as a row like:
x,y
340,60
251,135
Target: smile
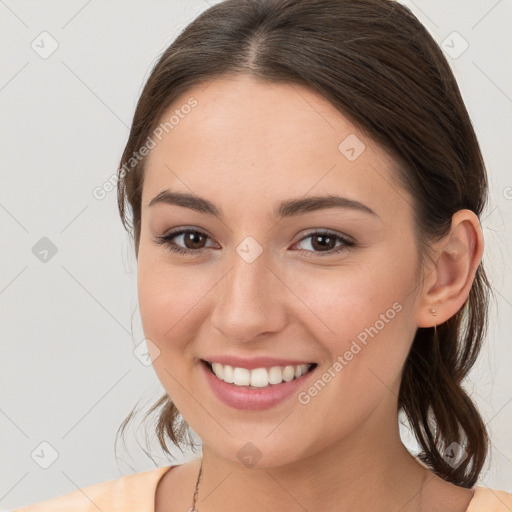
x,y
258,377
243,395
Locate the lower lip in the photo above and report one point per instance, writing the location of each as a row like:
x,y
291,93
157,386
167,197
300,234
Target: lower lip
x,y
256,399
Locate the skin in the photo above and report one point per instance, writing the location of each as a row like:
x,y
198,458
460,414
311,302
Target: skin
x,y
246,146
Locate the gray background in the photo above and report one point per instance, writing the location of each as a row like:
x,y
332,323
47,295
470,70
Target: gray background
x,y
68,372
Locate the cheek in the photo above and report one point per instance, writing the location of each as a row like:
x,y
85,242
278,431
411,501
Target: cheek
x,y
166,303
167,296
346,302
366,331
363,315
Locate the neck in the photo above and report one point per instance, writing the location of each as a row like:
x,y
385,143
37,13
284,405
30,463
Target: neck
x,y
368,470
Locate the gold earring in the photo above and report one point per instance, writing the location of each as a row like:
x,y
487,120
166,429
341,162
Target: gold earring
x,y
434,313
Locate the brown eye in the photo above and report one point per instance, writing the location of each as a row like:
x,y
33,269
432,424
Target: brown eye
x,y
324,243
321,242
192,240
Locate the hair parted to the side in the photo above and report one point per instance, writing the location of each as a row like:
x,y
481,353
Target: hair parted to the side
x,y
376,63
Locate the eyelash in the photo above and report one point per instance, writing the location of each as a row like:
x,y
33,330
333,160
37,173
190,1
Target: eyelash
x,y
166,240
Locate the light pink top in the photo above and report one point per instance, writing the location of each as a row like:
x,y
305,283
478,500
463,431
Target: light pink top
x,y
136,493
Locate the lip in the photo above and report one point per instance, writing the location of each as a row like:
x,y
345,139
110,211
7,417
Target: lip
x,y
254,362
255,399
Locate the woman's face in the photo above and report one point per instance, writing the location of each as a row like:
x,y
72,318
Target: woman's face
x,y
269,283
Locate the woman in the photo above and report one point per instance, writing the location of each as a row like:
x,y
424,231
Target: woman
x,y
305,188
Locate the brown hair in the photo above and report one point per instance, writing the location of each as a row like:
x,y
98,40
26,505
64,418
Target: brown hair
x,y
379,66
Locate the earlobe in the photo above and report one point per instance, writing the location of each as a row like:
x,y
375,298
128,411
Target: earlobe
x,y
427,316
457,257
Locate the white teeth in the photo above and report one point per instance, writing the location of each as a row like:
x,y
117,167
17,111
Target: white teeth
x,y
275,375
258,377
218,369
241,376
289,373
228,374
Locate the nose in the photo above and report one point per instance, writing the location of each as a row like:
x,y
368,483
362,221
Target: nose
x,y
250,301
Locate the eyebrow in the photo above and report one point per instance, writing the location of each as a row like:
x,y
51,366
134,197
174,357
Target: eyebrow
x,y
287,208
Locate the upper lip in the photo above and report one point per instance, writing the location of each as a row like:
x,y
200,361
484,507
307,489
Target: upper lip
x,y
255,362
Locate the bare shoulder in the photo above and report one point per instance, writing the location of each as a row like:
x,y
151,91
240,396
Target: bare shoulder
x,y
443,496
121,494
490,500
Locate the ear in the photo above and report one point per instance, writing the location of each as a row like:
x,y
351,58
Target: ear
x,y
448,281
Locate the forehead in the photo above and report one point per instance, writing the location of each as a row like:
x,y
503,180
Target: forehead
x,y
261,142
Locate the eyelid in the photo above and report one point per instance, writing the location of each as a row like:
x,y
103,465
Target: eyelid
x,y
312,231
183,230
325,231
347,241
